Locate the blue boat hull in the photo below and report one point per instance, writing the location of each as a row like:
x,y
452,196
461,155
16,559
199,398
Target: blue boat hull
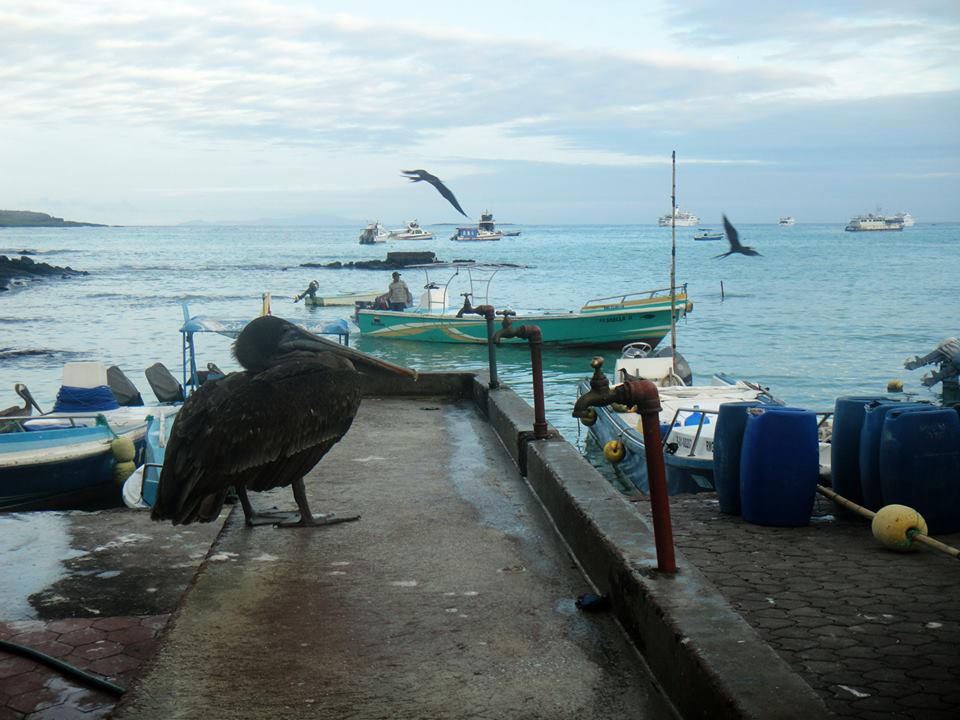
x,y
60,469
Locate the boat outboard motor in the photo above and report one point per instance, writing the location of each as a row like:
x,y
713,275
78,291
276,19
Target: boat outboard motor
x,y
123,390
164,384
680,365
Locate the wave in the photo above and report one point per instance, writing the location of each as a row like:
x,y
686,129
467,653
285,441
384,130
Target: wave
x,y
14,353
32,251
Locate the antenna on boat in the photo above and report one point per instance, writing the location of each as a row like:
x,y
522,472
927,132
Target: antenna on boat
x,y
673,263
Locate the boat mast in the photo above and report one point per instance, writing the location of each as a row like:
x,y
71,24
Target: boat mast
x,y
673,264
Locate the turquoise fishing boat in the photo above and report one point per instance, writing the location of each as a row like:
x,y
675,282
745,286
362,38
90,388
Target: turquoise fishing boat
x,y
643,316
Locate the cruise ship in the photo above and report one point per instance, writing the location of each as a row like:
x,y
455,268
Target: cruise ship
x,y
872,223
680,219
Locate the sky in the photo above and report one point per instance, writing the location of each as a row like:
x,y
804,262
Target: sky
x,y
553,111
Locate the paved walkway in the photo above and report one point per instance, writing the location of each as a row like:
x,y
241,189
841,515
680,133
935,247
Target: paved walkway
x,y
876,633
449,598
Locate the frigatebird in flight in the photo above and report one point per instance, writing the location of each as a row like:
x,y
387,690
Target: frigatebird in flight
x,y
418,175
734,237
265,427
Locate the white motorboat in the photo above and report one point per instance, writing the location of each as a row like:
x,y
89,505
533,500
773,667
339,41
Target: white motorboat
x,y
412,231
373,234
706,234
680,219
788,220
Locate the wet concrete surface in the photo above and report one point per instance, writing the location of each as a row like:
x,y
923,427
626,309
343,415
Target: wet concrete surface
x,y
449,598
92,589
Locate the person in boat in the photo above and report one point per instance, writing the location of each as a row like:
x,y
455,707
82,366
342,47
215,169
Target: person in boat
x,y
398,294
310,292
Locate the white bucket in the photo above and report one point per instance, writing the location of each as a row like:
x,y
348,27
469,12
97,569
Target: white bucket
x,y
84,374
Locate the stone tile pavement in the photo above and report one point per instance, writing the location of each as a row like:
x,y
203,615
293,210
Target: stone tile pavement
x,y
875,632
112,648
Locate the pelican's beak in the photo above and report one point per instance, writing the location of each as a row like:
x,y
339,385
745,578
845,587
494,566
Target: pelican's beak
x,y
364,362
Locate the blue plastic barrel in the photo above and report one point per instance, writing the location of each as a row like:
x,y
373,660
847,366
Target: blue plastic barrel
x,y
779,466
727,442
870,436
848,413
920,465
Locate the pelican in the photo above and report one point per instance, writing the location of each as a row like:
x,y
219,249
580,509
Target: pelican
x,y
28,403
418,175
264,427
734,238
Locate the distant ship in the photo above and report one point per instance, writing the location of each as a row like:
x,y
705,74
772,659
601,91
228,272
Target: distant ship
x,y
680,219
788,220
906,218
872,223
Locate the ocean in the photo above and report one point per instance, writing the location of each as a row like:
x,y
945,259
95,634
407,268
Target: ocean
x,y
820,314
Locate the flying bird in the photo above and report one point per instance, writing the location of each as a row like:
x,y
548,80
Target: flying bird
x,y
418,175
265,427
734,238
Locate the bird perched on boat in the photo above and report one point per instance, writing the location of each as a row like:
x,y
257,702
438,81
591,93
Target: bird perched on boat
x,y
418,175
28,403
264,427
734,238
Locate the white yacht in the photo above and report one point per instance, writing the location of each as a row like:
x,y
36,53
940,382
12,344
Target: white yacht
x,y
680,219
412,231
906,219
873,223
788,220
486,229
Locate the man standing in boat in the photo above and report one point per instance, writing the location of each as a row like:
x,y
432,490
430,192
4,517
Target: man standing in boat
x,y
399,295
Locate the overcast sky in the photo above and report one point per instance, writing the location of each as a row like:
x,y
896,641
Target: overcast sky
x,y
127,112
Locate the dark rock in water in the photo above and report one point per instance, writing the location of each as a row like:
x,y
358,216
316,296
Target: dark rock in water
x,y
394,261
24,267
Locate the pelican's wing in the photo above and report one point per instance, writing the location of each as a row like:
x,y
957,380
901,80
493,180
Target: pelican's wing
x,y
732,235
445,191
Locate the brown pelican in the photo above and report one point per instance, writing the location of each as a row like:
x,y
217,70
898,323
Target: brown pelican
x,y
734,238
418,175
28,403
265,427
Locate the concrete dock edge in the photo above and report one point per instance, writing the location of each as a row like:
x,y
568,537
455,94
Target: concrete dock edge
x,y
709,661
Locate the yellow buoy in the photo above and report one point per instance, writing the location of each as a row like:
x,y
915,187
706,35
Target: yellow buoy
x,y
614,451
589,417
892,525
895,386
123,470
123,449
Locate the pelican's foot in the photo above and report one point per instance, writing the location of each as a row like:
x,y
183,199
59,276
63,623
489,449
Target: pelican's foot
x,y
317,520
271,518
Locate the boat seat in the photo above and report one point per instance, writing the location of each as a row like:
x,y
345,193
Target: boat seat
x,y
164,385
123,390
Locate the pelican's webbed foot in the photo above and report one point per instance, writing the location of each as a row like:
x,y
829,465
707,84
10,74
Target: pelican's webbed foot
x,y
318,520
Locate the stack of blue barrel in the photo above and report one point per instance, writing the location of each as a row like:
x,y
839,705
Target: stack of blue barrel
x,y
886,452
766,463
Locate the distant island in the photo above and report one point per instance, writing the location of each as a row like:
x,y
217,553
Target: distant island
x,y
25,218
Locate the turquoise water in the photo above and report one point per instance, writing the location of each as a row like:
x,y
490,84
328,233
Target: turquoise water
x,y
821,313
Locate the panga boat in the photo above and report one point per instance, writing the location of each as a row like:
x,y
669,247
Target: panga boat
x,y
77,456
345,300
688,418
412,231
705,234
373,234
608,321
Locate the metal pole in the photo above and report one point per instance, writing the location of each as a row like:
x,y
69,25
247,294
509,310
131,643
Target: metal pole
x,y
491,351
673,263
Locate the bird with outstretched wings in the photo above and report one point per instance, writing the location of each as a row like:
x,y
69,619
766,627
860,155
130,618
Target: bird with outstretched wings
x,y
419,175
734,238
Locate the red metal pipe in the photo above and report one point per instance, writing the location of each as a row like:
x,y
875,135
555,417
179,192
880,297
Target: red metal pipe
x,y
534,336
645,396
